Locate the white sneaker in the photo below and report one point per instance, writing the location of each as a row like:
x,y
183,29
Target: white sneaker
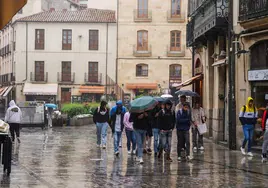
x,y
202,148
189,158
134,152
141,161
263,159
195,149
116,153
98,146
179,159
243,151
137,159
103,146
250,154
129,152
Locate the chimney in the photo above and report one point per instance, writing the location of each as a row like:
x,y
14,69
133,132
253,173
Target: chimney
x,y
52,9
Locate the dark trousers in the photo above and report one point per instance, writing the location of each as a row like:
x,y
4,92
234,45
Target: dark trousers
x,y
197,138
14,128
183,139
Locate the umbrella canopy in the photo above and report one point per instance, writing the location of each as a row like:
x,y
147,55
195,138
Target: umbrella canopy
x,y
166,96
142,104
159,99
50,105
187,93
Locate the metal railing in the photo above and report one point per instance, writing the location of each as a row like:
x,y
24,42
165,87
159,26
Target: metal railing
x,y
66,77
6,79
142,73
35,77
249,9
142,15
91,78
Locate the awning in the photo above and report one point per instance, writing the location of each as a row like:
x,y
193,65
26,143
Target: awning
x,y
220,62
3,90
188,82
7,91
40,89
92,89
141,86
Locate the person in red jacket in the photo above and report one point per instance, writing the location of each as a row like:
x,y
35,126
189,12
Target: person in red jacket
x,y
265,136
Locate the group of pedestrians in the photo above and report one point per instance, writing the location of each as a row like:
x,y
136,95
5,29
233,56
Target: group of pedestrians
x,y
158,124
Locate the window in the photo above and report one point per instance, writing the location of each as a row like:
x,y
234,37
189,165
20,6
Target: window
x,y
39,71
142,70
66,71
93,40
142,8
67,39
175,41
93,71
39,39
175,8
175,71
142,41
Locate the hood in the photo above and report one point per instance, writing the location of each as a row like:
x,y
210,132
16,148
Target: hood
x,y
249,99
119,102
12,103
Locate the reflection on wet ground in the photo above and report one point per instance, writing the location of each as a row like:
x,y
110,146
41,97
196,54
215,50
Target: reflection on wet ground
x,y
68,157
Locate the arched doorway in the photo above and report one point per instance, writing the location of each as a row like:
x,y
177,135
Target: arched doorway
x,y
198,84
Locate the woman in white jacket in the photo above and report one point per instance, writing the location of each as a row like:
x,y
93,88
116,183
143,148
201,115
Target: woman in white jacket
x,y
13,118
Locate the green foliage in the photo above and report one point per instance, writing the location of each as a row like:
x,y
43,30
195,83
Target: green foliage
x,y
74,109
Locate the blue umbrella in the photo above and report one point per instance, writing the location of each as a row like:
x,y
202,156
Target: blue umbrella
x,y
187,93
50,105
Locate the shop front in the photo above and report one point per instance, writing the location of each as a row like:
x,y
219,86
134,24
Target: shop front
x,y
141,88
198,83
91,93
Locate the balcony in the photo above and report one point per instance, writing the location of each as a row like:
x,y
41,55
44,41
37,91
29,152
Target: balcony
x,y
172,52
208,21
93,79
66,78
142,15
172,18
5,50
38,77
145,52
7,79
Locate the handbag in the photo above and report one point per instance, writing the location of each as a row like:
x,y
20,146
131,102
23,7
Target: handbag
x,y
202,129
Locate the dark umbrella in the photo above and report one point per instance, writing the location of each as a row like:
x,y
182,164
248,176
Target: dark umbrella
x,y
187,93
159,99
142,104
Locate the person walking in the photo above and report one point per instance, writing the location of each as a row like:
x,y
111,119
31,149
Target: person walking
x,y
199,118
131,138
140,124
101,119
265,135
181,103
49,116
155,128
183,124
166,123
117,126
248,118
13,117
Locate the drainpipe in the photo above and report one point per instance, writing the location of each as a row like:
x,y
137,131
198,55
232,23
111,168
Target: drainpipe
x,y
106,66
26,55
116,63
193,54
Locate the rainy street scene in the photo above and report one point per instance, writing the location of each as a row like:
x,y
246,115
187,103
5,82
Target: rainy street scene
x,y
133,93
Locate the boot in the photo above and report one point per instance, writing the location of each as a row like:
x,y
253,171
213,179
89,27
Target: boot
x,y
168,157
160,153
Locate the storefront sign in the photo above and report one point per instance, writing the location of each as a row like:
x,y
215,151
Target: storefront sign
x,y
258,75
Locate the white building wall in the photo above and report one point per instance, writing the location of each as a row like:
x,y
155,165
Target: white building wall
x,y
103,4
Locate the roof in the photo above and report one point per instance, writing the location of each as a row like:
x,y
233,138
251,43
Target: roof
x,y
80,16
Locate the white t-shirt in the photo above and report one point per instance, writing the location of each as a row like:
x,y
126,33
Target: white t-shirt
x,y
118,123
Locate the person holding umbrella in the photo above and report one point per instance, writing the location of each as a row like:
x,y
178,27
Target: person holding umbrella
x,y
166,124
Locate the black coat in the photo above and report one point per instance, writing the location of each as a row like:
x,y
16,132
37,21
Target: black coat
x,y
155,119
113,120
99,118
166,120
142,124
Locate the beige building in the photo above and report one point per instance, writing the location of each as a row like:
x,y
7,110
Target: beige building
x,y
62,55
152,53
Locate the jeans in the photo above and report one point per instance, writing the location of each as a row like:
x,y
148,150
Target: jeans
x,y
117,138
165,138
14,128
197,142
248,135
140,136
265,142
131,139
156,133
102,133
183,139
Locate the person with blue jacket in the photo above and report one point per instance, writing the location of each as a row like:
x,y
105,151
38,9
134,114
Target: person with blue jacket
x,y
183,124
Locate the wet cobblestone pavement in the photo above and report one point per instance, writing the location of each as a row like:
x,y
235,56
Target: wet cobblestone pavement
x,y
68,157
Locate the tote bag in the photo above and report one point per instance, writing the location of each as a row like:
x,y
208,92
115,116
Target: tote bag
x,y
202,129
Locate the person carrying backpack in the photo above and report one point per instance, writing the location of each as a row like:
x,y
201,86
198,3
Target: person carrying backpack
x,y
265,135
248,118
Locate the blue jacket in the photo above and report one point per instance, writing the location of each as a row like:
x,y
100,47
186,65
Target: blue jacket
x,y
113,110
183,122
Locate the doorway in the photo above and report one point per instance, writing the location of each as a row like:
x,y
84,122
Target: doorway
x,y
65,95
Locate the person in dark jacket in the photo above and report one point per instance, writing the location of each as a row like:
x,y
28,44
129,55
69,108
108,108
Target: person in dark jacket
x,y
140,124
117,126
183,125
155,127
101,119
166,124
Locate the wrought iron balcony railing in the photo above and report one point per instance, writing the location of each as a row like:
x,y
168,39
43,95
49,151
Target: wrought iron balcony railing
x,y
249,9
6,79
66,77
92,78
38,77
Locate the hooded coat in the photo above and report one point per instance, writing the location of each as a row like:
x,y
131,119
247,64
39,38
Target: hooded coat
x,y
248,115
13,113
114,109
